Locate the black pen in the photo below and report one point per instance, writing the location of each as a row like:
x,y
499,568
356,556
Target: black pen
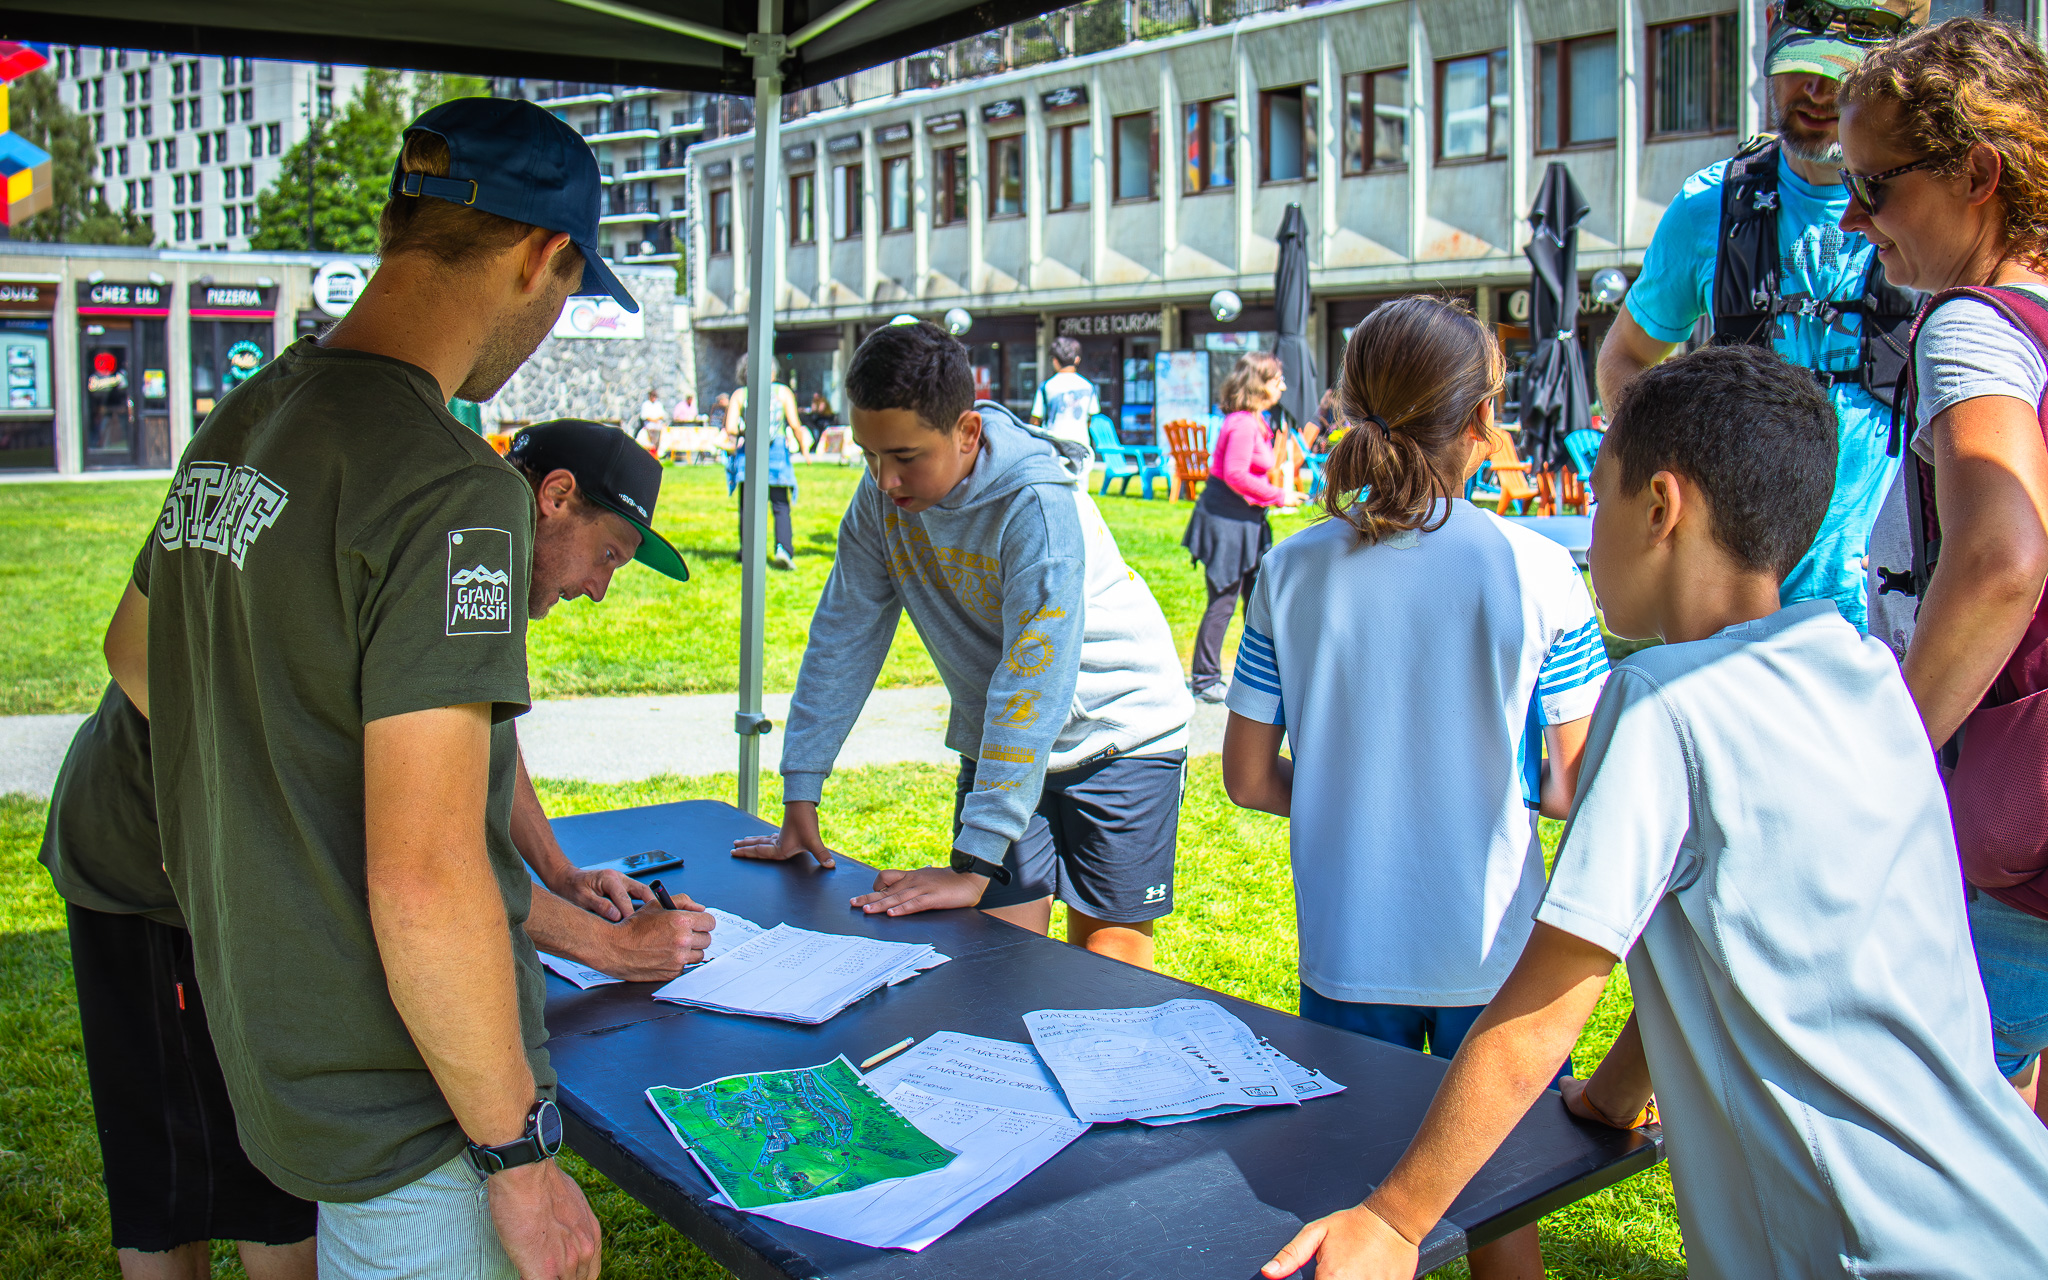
x,y
661,896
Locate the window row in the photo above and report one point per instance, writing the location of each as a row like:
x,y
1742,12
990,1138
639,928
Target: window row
x,y
212,148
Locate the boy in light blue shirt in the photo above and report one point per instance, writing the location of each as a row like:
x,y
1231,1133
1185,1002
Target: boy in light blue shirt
x,y
1760,830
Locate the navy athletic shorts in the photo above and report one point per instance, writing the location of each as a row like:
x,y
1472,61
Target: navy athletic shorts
x,y
175,1171
1102,840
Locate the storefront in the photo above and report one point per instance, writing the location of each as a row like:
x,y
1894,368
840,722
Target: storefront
x,y
1002,353
124,354
28,425
1253,329
1117,355
232,333
810,365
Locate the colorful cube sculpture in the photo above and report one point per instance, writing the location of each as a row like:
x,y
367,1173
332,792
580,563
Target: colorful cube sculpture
x,y
24,166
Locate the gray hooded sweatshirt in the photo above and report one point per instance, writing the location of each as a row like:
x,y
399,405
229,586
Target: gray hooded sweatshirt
x,y
1053,649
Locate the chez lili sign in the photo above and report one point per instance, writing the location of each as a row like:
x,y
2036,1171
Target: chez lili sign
x,y
138,296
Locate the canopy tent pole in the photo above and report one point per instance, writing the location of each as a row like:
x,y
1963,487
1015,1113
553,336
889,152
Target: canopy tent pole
x,y
767,47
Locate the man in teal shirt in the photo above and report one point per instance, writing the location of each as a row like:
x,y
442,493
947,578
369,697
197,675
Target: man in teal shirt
x,y
1822,279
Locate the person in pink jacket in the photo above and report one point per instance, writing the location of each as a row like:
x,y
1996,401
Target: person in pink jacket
x,y
1227,534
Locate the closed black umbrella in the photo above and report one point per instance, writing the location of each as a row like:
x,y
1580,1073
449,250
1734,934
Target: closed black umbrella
x,y
1554,399
1291,302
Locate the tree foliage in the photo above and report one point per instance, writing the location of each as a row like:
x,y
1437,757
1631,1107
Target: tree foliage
x,y
350,159
77,214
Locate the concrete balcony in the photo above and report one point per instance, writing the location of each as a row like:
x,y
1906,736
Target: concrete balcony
x,y
623,135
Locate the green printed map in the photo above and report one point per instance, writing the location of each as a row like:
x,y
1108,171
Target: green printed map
x,y
771,1137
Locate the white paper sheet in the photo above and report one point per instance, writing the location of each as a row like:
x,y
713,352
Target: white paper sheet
x,y
997,1148
581,974
730,932
998,1073
1168,1060
1307,1083
798,975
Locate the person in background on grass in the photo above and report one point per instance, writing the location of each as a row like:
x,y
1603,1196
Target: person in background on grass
x,y
1227,533
1761,830
1068,710
1066,401
1954,121
785,436
653,421
175,1177
820,415
1417,655
334,765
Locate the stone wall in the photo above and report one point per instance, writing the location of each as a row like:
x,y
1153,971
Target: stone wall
x,y
606,378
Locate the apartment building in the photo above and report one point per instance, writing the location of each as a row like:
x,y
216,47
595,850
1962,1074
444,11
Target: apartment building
x,y
186,141
639,136
1108,195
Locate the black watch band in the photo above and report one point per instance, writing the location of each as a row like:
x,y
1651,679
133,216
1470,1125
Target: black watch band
x,y
968,863
542,1139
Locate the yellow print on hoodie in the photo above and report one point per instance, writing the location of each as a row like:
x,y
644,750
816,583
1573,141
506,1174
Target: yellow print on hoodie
x,y
975,580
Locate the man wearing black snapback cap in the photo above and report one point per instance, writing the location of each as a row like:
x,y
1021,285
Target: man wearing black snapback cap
x,y
337,650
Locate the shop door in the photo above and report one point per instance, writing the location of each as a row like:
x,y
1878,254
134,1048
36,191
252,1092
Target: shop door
x,y
112,412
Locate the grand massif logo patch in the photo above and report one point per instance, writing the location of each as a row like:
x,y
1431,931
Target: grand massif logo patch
x,y
479,582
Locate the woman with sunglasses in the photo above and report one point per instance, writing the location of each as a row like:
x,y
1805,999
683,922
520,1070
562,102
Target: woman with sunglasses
x,y
1945,154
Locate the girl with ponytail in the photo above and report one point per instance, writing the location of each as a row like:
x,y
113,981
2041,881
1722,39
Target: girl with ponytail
x,y
1417,655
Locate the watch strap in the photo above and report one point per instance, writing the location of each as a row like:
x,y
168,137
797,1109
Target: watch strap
x,y
967,863
542,1139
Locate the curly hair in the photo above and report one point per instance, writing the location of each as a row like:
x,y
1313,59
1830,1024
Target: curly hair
x,y
1968,81
1256,372
1415,371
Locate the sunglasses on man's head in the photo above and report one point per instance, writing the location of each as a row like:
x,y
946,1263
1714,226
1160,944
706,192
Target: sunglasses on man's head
x,y
1863,25
1868,190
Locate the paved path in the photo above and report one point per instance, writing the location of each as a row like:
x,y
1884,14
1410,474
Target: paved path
x,y
624,739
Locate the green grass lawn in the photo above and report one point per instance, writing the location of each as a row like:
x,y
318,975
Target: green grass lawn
x,y
66,549
1234,931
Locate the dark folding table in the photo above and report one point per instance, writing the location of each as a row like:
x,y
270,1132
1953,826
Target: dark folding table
x,y
1211,1198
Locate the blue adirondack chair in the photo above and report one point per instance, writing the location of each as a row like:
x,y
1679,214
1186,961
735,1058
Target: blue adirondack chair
x,y
1310,462
1121,461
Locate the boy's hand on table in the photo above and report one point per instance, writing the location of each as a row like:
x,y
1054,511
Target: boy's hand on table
x,y
1351,1244
902,893
1576,1102
799,834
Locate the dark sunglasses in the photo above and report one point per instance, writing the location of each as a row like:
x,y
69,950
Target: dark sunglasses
x,y
1865,26
1869,191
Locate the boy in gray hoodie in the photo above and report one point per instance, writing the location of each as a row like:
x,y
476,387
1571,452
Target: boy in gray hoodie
x,y
1069,710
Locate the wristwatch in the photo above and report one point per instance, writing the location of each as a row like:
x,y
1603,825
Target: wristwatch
x,y
542,1139
967,863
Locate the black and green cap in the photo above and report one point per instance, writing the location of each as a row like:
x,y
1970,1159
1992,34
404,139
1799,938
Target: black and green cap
x,y
611,470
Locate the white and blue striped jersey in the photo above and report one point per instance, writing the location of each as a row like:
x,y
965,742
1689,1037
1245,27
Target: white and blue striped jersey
x,y
1415,678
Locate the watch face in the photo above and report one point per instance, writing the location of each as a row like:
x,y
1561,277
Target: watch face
x,y
547,1124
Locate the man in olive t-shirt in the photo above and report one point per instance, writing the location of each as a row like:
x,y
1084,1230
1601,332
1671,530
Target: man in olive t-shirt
x,y
336,647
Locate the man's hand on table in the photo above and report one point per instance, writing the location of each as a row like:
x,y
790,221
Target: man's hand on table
x,y
545,1224
653,945
1351,1244
902,893
605,893
799,835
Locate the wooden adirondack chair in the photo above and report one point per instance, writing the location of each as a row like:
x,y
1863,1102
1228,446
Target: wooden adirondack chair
x,y
1187,444
1512,475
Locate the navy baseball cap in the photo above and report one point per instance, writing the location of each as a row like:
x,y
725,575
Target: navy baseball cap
x,y
513,159
611,470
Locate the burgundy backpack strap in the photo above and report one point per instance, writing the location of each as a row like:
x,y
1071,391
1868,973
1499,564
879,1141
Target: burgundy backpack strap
x,y
2026,671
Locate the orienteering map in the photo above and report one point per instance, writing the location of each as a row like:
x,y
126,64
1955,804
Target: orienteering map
x,y
774,1137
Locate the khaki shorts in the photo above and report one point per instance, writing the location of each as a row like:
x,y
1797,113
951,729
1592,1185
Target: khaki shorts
x,y
439,1226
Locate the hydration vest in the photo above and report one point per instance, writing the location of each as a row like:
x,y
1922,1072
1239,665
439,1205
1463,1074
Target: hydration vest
x,y
1747,295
